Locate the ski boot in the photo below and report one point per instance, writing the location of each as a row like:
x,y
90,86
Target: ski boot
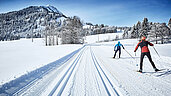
x,y
140,71
156,70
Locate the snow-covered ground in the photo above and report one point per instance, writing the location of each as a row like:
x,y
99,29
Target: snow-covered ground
x,y
124,69
102,37
22,56
91,70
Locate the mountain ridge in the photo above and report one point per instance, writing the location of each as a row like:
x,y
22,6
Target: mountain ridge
x,y
20,23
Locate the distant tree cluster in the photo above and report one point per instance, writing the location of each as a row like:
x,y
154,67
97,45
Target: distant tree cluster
x,y
52,32
7,32
99,29
72,29
126,32
36,35
153,31
102,29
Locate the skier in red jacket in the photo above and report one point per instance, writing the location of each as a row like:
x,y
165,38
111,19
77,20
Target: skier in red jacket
x,y
145,51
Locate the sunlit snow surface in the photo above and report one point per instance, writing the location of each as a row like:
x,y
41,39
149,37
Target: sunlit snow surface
x,y
89,70
22,56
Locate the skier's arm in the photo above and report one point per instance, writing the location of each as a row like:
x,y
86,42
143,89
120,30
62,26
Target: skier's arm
x,y
114,47
136,47
123,47
150,44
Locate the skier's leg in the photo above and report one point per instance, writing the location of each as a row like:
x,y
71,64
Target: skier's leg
x,y
119,53
141,60
150,59
115,54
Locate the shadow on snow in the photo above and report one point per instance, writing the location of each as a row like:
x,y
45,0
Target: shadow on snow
x,y
14,86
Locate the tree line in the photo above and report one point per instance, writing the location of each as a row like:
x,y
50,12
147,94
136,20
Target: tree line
x,y
158,32
70,30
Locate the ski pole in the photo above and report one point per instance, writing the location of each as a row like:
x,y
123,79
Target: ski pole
x,y
156,51
129,54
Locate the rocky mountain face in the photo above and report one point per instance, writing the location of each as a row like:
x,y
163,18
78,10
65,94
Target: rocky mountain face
x,y
30,21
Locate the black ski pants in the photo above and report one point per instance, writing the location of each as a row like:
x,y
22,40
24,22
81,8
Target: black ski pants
x,y
149,57
116,52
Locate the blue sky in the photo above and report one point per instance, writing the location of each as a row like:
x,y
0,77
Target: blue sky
x,y
108,12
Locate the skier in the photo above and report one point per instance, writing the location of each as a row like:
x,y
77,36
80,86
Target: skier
x,y
118,48
145,51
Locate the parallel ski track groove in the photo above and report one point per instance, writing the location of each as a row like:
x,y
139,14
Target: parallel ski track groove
x,y
34,80
63,86
96,63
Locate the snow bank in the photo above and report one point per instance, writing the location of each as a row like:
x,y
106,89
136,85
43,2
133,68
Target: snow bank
x,y
22,56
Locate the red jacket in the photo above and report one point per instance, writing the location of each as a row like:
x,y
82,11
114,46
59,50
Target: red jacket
x,y
144,46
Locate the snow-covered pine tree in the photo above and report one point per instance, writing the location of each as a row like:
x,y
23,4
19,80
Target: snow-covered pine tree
x,y
136,30
125,34
133,32
71,30
169,24
160,32
144,28
154,33
166,33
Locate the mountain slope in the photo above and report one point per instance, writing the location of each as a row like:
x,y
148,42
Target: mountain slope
x,y
20,23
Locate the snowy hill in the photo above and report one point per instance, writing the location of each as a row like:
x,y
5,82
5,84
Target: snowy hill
x,y
23,22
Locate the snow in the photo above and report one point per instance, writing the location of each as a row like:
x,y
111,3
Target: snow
x,y
87,26
121,72
102,37
22,56
124,69
52,9
91,71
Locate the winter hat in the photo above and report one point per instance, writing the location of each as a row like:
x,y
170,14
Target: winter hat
x,y
143,38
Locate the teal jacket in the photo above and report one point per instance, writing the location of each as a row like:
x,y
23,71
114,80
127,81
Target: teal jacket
x,y
118,46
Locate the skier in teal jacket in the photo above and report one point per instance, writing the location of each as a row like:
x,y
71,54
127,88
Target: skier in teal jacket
x,y
118,48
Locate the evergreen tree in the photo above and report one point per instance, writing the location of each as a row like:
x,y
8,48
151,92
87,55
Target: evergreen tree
x,y
159,31
144,28
138,29
169,25
125,34
71,31
133,32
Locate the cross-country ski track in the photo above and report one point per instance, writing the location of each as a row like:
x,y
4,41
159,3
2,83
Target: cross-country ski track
x,y
91,71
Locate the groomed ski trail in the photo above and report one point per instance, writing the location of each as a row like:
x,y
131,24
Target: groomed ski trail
x,y
91,70
80,74
85,76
